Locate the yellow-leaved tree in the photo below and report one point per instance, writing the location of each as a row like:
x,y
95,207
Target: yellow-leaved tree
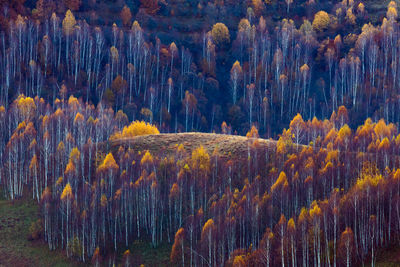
x,y
220,34
177,251
321,21
26,107
67,198
136,128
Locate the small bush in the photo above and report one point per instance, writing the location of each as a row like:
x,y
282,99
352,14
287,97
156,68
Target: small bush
x,y
136,128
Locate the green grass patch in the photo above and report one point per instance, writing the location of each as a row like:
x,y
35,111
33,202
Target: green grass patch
x,y
143,253
15,249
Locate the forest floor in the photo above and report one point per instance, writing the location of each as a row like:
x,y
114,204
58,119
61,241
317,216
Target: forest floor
x,y
389,257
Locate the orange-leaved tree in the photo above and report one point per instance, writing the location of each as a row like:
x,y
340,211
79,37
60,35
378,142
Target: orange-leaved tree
x,y
177,251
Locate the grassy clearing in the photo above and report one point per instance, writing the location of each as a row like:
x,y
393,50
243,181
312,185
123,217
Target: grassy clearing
x,y
143,253
15,248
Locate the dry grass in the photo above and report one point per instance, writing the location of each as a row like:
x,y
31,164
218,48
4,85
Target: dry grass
x,y
232,145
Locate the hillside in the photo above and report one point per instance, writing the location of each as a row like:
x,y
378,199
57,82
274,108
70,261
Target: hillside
x,y
233,145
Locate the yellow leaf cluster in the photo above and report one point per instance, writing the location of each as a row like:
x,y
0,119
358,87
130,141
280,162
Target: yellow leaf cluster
x,y
384,144
368,180
239,261
321,21
75,155
208,227
284,142
253,133
26,106
78,118
315,210
136,128
200,159
291,225
109,163
69,22
220,34
147,158
67,192
280,182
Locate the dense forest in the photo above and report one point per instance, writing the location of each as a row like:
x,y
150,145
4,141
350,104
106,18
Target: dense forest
x,y
260,71
80,79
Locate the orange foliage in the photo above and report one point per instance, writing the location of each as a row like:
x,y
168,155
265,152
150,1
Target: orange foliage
x,y
67,193
208,228
176,250
173,193
75,155
280,183
79,118
253,133
239,261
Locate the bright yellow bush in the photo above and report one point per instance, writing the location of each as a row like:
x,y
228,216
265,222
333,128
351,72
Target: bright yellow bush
x,y
136,128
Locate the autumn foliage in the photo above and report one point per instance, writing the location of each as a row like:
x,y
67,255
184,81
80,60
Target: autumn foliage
x,y
258,206
136,128
319,78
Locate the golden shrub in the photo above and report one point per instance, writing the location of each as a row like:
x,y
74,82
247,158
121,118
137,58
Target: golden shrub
x,y
136,128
